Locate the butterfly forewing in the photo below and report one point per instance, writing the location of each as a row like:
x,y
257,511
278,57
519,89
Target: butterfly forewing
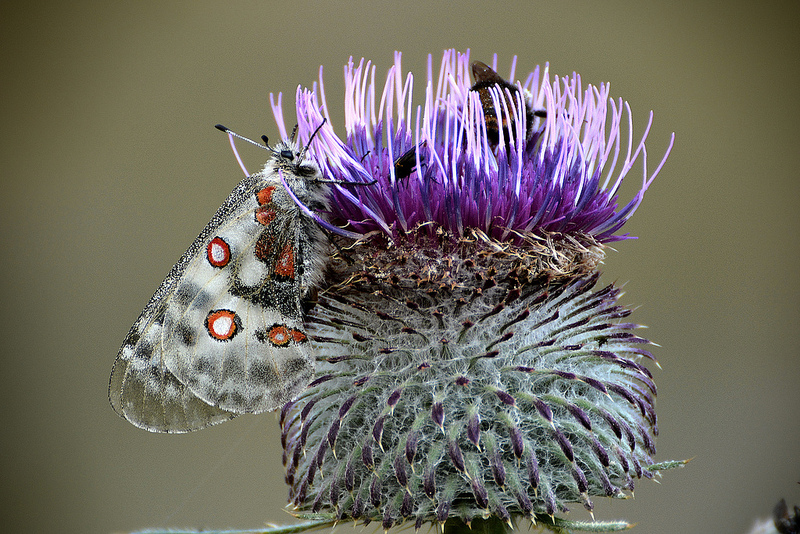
x,y
237,341
224,333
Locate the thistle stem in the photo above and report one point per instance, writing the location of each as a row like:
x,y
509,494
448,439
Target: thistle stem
x,y
492,525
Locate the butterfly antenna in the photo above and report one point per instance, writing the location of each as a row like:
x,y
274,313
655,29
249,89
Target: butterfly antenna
x,y
243,138
305,148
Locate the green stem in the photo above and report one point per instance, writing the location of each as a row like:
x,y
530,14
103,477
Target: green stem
x,y
492,525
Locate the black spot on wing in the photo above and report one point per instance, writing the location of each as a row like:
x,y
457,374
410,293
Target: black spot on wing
x,y
282,296
185,293
144,350
186,334
203,365
234,398
262,374
202,300
155,374
261,335
232,368
295,366
132,338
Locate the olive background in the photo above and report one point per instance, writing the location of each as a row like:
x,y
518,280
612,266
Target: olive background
x,y
111,166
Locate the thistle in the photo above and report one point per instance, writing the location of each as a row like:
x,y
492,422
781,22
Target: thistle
x,y
469,368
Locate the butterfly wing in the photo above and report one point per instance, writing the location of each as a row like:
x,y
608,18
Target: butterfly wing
x,y
145,393
223,334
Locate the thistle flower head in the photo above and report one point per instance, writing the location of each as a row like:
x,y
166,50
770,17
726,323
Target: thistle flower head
x,y
560,172
467,365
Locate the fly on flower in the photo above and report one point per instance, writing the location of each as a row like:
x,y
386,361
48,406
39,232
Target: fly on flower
x,y
487,80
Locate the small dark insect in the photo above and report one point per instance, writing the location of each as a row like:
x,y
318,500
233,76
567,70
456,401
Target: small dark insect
x,y
486,78
785,523
405,164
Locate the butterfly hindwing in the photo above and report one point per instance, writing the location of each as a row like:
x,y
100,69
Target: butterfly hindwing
x,y
224,333
143,391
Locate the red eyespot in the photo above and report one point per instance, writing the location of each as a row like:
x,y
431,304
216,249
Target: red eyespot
x,y
222,324
279,335
218,252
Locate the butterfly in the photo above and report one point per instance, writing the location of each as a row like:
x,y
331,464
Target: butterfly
x,y
485,79
223,334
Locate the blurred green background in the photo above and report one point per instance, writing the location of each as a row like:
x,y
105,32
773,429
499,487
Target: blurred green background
x,y
111,166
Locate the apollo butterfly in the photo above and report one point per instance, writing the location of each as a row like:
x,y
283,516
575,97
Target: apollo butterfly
x,y
223,334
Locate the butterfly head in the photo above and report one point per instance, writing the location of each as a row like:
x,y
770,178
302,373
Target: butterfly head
x,y
293,161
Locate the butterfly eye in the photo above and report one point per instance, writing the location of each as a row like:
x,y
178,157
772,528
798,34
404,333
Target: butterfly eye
x,y
287,154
